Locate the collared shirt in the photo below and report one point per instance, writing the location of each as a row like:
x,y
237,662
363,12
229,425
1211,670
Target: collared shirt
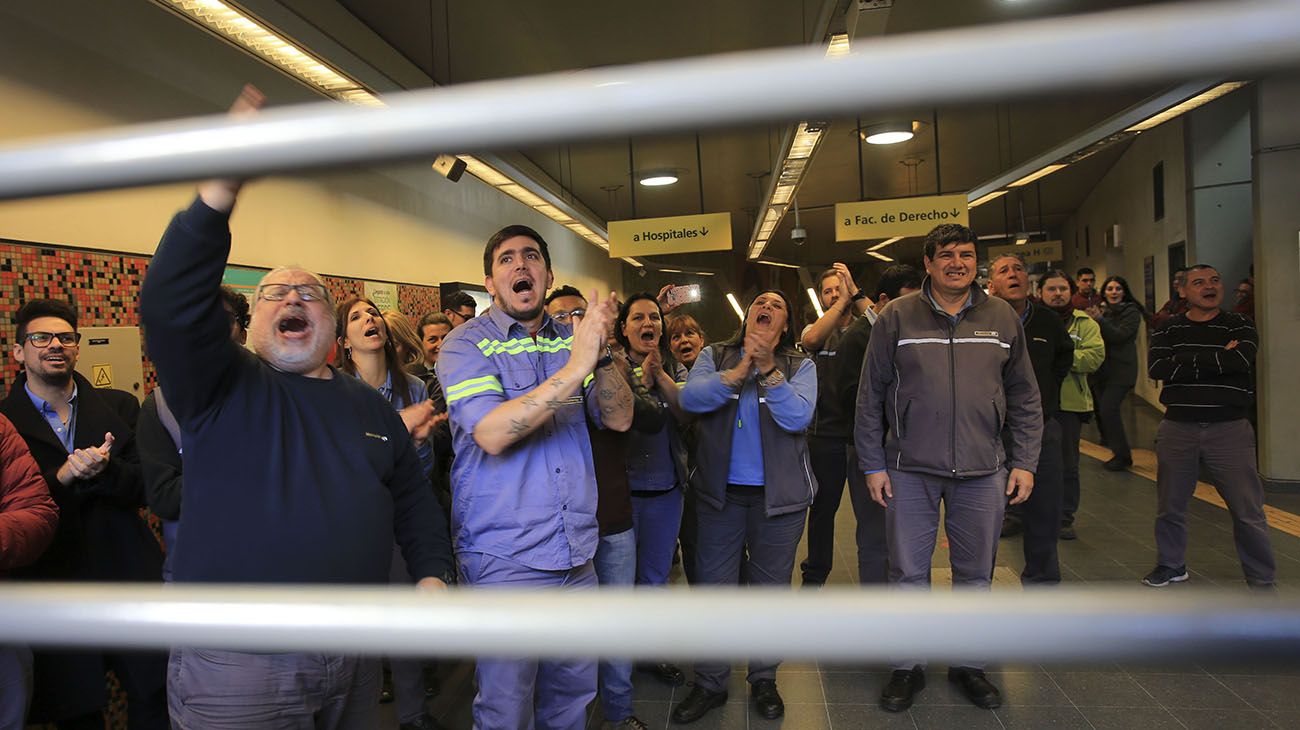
x,y
415,392
66,432
952,318
535,503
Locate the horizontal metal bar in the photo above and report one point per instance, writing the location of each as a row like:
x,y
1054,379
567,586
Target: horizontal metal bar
x,y
1148,44
832,624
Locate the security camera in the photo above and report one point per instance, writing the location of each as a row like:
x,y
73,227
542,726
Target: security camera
x,y
799,235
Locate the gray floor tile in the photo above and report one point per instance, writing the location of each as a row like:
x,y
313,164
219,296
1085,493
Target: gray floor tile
x,y
1131,718
798,716
1221,719
1275,693
800,687
1103,689
1193,691
854,688
1288,720
1026,689
1032,718
965,717
867,717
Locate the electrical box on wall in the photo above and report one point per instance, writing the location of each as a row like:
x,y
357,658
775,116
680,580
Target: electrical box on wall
x,y
111,357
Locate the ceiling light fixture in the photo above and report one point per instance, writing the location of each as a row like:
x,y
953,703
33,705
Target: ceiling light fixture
x,y
506,184
1022,239
879,255
1192,103
779,264
736,306
986,198
1044,172
884,243
701,273
817,305
888,132
658,178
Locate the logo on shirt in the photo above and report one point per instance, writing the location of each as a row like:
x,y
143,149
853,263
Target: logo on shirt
x,y
986,333
379,436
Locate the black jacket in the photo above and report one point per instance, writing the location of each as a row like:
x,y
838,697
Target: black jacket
x,y
1051,351
1119,328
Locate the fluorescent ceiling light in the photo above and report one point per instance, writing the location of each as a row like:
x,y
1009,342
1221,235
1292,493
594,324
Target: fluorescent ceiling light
x,y
778,263
736,306
701,273
233,25
884,243
1036,175
879,255
1186,106
888,132
816,304
1022,239
839,45
986,198
634,262
505,184
673,271
658,178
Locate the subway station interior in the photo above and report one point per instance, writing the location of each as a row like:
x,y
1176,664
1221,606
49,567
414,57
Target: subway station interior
x,y
1136,175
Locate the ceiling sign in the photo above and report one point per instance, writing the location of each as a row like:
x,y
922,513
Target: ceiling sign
x,y
677,234
1044,252
898,217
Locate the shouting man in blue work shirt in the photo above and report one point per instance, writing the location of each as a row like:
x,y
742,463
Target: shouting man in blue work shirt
x,y
524,505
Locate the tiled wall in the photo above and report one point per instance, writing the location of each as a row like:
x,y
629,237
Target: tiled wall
x,y
106,288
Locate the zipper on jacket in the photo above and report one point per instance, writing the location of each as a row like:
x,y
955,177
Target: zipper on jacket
x,y
952,388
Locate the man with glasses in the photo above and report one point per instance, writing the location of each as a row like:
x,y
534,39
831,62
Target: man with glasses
x,y
326,474
566,305
83,440
459,308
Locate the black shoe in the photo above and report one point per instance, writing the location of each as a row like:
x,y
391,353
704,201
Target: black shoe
x,y
667,673
1067,532
1012,526
977,688
426,722
1163,575
1118,464
697,704
902,688
766,699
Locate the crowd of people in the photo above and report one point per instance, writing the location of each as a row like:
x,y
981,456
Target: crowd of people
x,y
562,440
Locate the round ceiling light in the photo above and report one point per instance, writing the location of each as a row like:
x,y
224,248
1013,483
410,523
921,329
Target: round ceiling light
x,y
658,178
888,133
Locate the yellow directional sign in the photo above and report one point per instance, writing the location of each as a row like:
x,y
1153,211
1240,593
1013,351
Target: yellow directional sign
x,y
677,234
1033,253
102,376
898,217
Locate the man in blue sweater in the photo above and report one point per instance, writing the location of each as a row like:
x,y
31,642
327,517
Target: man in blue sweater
x,y
326,473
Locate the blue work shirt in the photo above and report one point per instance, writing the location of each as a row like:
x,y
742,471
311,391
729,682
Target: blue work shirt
x,y
952,318
791,403
65,432
535,503
415,392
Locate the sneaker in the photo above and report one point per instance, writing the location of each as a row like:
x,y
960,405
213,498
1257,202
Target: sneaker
x,y
1164,575
631,723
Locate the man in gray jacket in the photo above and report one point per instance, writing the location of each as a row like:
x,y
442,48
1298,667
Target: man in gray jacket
x,y
945,368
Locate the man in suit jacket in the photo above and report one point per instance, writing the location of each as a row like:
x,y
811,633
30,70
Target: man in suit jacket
x,y
82,440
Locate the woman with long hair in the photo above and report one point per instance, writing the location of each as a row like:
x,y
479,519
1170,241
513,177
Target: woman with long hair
x,y
754,396
406,343
366,351
1120,317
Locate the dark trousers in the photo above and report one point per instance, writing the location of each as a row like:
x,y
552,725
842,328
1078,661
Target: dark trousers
x,y
827,455
1227,450
688,536
1110,396
725,534
873,549
1041,513
15,686
1071,428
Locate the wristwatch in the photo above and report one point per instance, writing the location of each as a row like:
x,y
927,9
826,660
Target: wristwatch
x,y
858,297
607,359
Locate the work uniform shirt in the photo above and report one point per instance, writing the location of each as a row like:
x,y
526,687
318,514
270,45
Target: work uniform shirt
x,y
535,503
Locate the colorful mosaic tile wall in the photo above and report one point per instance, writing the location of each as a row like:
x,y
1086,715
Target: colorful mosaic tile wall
x,y
106,288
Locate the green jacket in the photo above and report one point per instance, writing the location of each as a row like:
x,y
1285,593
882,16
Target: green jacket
x,y
1089,353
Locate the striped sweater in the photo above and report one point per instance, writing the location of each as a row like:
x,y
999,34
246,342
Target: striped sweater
x,y
1203,380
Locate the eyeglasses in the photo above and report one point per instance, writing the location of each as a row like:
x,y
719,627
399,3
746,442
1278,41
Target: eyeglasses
x,y
462,315
306,292
43,339
564,317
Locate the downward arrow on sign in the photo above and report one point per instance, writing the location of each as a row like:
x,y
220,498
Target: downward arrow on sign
x,y
955,212
704,230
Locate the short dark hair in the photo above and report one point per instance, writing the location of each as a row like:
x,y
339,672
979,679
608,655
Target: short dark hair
x,y
238,304
824,276
1058,274
44,308
432,318
1084,270
567,290
508,233
1198,267
946,234
458,299
896,278
1185,269
625,309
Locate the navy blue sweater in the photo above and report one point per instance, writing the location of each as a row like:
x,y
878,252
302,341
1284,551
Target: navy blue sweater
x,y
288,479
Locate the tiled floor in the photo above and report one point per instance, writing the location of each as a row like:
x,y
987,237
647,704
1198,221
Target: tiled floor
x,y
1115,548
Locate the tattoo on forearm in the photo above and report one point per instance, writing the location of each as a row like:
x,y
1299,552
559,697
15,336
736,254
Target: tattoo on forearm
x,y
552,404
529,401
517,427
606,393
556,383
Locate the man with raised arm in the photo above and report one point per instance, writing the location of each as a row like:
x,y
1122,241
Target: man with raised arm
x,y
523,483
294,473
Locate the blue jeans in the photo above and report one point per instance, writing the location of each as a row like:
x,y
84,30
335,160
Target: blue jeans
x,y
742,524
657,520
616,566
517,694
15,686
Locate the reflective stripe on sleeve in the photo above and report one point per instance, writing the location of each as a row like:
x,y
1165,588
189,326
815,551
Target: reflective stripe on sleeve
x,y
473,386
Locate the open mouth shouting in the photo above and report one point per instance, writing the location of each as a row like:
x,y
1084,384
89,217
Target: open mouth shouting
x,y
293,326
763,319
